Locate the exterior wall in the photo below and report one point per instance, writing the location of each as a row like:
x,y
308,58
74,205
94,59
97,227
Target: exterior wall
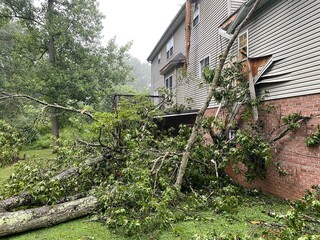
x,y
205,41
300,162
157,80
290,31
234,5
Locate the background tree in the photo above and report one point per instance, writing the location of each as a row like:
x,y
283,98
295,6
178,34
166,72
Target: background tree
x,y
142,75
57,54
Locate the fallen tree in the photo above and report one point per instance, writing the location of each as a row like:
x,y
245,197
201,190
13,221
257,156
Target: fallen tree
x,y
45,216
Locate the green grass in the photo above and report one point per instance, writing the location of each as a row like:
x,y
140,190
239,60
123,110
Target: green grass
x,y
42,153
248,219
5,173
81,229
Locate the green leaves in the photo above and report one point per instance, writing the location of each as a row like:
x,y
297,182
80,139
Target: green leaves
x,y
313,139
10,144
253,151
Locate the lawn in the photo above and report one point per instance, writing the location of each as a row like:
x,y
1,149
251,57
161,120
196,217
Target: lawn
x,y
248,218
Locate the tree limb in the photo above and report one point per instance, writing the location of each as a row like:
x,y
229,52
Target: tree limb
x,y
6,96
214,84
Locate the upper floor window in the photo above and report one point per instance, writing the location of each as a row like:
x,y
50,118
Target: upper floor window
x,y
168,83
196,15
170,48
243,46
203,64
159,58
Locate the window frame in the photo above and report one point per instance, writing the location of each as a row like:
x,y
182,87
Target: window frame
x,y
170,47
205,65
196,15
168,83
241,55
159,57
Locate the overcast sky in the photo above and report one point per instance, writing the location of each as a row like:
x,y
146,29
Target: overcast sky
x,y
142,21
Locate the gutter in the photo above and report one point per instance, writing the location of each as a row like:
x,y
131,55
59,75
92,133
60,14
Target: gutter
x,y
168,32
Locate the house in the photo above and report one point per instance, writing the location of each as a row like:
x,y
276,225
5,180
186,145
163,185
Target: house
x,y
281,41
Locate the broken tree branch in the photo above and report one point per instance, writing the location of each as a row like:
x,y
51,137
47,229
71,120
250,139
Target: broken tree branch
x,y
25,198
200,115
6,96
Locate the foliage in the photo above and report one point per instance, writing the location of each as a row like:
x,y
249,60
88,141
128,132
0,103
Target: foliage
x,y
232,86
10,144
134,182
292,121
142,75
253,151
56,54
302,220
314,138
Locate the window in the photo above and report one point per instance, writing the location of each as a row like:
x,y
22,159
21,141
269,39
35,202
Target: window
x,y
196,15
170,48
203,64
168,83
159,58
243,46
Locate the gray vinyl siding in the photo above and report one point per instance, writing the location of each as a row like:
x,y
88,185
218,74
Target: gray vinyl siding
x,y
290,31
235,5
157,79
205,41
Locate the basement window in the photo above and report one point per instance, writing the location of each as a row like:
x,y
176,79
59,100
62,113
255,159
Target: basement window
x,y
170,48
168,83
196,16
243,46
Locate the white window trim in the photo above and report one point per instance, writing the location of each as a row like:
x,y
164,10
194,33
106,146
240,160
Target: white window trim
x,y
165,80
170,44
196,13
242,33
200,70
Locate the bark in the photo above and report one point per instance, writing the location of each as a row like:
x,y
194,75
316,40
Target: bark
x,y
5,96
16,201
55,128
188,32
199,118
25,220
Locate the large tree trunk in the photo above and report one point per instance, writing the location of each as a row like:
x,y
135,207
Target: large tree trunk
x,y
21,221
199,119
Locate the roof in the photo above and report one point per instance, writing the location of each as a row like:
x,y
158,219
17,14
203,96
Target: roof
x,y
175,23
177,60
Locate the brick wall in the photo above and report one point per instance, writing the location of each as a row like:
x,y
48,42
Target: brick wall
x,y
300,162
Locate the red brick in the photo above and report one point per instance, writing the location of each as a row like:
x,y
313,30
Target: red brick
x,y
291,150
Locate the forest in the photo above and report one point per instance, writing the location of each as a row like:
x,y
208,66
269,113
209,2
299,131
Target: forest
x,y
114,162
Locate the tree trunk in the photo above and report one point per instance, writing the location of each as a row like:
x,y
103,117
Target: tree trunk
x,y
25,199
198,122
54,116
188,33
46,216
55,128
16,201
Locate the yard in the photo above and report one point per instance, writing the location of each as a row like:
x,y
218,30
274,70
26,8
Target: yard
x,y
245,215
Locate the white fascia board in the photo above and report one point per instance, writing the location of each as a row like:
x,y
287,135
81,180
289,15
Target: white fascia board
x,y
224,34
